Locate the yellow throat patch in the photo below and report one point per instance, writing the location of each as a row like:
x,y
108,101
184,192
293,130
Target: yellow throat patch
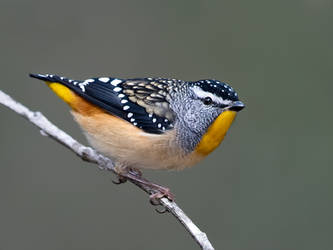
x,y
215,133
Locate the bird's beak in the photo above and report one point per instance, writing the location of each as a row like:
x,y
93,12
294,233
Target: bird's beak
x,y
236,106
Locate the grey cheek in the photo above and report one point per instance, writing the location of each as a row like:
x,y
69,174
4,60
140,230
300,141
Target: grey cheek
x,y
191,116
196,121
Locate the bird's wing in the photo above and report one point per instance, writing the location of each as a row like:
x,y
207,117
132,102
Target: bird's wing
x,y
142,102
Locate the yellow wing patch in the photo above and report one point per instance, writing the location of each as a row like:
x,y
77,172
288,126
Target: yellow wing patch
x,y
215,133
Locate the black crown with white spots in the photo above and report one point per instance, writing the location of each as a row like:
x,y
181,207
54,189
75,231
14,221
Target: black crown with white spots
x,y
220,89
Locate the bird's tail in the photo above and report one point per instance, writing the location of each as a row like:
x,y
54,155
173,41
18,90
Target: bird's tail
x,y
60,85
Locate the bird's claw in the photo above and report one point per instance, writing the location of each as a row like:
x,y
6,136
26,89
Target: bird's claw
x,y
155,198
158,192
161,211
162,192
135,172
120,180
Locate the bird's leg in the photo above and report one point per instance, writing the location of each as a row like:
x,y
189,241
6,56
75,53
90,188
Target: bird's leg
x,y
158,190
135,175
135,171
121,177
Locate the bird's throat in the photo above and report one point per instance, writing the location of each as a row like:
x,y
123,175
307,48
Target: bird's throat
x,y
215,133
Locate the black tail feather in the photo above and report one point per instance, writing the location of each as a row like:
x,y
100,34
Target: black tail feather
x,y
48,77
40,77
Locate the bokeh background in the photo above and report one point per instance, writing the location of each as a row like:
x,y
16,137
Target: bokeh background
x,y
269,186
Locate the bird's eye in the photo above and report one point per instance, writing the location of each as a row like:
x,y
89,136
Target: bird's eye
x,y
207,100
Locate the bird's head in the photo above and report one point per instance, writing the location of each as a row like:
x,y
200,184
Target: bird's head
x,y
205,107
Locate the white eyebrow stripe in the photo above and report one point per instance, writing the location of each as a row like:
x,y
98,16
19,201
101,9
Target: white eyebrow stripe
x,y
202,94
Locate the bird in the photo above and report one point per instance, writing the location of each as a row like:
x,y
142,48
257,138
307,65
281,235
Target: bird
x,y
149,123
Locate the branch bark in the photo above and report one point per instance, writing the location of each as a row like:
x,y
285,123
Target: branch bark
x,y
90,155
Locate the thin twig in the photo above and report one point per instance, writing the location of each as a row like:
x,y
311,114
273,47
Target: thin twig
x,y
90,155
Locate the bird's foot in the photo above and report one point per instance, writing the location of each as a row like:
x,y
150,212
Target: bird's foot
x,y
157,191
155,198
120,179
160,192
135,171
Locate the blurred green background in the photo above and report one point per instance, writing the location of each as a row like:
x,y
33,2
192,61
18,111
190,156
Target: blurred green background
x,y
269,186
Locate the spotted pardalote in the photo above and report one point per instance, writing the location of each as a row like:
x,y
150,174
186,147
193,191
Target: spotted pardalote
x,y
153,123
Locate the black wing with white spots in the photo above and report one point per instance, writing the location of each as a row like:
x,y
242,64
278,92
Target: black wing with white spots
x,y
142,102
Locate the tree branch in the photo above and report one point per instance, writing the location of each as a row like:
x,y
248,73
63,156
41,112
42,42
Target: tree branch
x,y
90,155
